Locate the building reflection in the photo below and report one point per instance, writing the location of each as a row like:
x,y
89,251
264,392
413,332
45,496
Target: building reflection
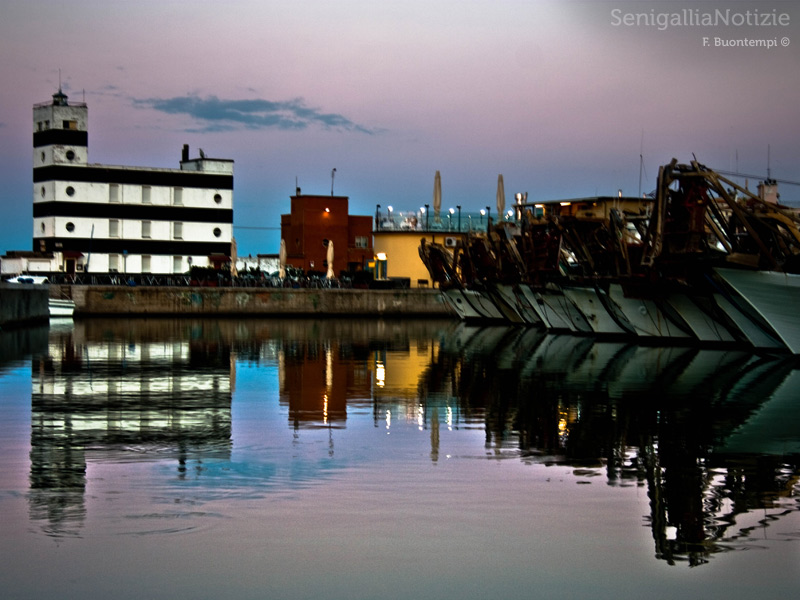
x,y
713,435
313,385
326,366
375,364
16,343
104,392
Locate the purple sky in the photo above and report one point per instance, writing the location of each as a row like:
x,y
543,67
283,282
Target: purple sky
x,y
559,97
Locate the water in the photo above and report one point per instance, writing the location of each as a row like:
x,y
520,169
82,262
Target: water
x,y
380,459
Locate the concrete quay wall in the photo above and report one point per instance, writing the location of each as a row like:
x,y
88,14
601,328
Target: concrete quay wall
x,y
22,303
146,300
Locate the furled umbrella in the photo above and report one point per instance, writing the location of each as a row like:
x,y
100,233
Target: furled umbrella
x,y
501,197
234,258
282,260
329,275
437,196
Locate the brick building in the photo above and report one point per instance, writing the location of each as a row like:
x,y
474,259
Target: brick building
x,y
313,222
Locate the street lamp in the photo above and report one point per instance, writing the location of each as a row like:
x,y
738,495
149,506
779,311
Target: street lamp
x,y
427,215
458,206
378,217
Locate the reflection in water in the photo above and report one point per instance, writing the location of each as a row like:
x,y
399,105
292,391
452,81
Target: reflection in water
x,y
687,423
106,391
712,435
324,366
16,343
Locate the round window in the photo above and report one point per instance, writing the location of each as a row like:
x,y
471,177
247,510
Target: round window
x,y
70,226
70,191
217,198
70,155
217,232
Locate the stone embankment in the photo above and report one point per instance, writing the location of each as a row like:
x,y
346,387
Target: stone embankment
x,y
177,301
22,304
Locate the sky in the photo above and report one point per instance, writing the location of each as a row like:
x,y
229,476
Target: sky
x,y
565,99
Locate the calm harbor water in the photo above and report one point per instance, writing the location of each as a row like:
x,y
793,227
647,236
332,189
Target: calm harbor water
x,y
380,459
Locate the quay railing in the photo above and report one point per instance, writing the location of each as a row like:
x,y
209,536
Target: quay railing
x,y
250,280
452,220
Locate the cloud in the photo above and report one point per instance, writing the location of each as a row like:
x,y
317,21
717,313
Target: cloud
x,y
227,115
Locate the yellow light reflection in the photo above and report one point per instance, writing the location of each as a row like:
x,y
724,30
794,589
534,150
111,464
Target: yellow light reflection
x,y
563,427
329,368
380,374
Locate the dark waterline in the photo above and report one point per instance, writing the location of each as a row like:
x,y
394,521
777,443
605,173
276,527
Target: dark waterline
x,y
391,459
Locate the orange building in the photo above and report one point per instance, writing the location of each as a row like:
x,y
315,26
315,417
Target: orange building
x,y
315,221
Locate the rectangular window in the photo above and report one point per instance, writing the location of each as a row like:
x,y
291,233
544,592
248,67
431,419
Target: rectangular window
x,y
113,193
177,264
177,196
70,125
146,194
177,231
146,263
361,241
145,229
113,263
113,228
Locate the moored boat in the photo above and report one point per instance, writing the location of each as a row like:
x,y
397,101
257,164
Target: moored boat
x,y
61,308
702,260
772,299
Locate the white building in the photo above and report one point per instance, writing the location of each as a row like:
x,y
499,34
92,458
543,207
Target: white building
x,y
97,218
265,263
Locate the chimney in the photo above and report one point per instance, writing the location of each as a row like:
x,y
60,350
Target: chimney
x,y
768,191
185,153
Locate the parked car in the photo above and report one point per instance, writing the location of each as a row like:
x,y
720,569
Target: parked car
x,y
28,279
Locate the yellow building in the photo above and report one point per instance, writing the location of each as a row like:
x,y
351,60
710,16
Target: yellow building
x,y
397,236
